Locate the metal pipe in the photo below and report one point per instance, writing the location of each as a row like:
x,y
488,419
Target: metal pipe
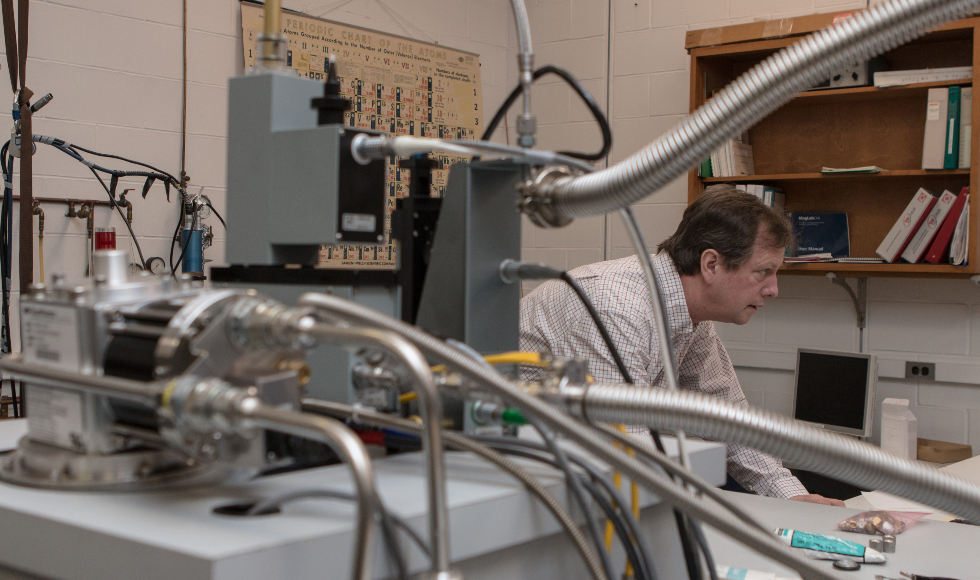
x,y
747,100
136,391
525,63
655,289
809,448
430,407
587,437
271,30
464,443
348,445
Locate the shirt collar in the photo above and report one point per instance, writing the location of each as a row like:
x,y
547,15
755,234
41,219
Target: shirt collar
x,y
678,315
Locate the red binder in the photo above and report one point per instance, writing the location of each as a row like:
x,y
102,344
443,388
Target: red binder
x,y
939,250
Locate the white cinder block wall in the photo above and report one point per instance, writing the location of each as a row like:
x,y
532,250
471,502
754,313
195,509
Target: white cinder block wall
x,y
631,53
114,67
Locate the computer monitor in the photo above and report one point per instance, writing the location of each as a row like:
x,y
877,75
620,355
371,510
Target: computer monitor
x,y
836,390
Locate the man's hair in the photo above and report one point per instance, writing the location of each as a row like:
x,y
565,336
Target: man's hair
x,y
726,220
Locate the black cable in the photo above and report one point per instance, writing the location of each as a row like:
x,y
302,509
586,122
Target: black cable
x,y
709,560
217,215
90,152
173,240
627,527
624,537
599,325
582,93
387,519
578,492
683,528
122,215
173,271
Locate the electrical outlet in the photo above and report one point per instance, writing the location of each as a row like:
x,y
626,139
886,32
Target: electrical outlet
x,y
920,370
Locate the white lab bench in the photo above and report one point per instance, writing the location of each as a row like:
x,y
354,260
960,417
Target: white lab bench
x,y
497,529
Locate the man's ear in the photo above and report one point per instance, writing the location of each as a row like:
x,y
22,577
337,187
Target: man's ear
x,y
711,264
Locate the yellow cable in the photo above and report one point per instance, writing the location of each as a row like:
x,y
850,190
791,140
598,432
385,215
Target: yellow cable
x,y
526,358
407,397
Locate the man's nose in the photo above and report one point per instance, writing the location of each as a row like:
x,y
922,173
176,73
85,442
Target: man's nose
x,y
771,289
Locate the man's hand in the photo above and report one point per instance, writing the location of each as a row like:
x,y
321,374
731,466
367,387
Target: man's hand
x,y
814,498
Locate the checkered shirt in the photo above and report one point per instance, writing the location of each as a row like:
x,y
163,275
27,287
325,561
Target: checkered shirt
x,y
554,320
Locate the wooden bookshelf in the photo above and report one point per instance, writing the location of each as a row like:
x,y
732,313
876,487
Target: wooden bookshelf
x,y
852,127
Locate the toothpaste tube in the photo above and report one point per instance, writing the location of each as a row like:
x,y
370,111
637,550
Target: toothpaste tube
x,y
830,545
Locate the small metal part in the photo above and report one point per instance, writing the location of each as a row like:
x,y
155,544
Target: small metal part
x,y
889,544
847,565
875,544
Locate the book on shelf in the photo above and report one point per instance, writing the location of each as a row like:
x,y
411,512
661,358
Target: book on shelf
x,y
959,247
908,222
924,236
821,233
966,126
733,159
771,196
939,249
859,260
704,170
934,141
952,152
865,169
896,78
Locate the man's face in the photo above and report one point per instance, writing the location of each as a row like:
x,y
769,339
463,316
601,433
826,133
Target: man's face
x,y
737,294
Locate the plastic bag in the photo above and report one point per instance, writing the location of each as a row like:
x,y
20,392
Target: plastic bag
x,y
880,522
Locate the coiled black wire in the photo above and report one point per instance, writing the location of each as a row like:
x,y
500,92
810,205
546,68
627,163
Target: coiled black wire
x,y
600,118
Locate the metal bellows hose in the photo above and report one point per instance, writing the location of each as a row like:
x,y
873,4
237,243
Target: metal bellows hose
x,y
847,459
747,100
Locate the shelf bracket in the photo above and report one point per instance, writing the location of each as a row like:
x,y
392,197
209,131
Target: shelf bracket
x,y
860,299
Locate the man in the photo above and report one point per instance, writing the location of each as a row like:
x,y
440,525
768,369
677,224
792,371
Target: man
x,y
720,265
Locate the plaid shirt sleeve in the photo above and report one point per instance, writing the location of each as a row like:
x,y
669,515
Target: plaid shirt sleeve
x,y
706,368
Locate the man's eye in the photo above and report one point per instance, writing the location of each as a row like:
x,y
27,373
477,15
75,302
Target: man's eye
x,y
764,273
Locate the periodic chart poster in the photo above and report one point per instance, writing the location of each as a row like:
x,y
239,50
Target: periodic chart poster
x,y
397,85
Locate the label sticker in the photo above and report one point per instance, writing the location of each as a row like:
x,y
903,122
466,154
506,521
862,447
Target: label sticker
x,y
56,418
50,335
358,222
932,111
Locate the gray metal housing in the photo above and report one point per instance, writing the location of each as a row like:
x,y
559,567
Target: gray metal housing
x,y
287,178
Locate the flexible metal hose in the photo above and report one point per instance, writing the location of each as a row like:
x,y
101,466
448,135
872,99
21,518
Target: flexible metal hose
x,y
747,100
466,444
587,437
810,448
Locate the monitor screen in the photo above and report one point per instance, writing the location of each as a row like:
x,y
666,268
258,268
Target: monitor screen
x,y
836,390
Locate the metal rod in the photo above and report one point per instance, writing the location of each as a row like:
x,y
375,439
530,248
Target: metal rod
x,y
667,355
140,392
66,200
347,444
430,407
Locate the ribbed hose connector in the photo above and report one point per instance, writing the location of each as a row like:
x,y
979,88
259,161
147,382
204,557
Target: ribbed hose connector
x,y
747,100
365,149
806,447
